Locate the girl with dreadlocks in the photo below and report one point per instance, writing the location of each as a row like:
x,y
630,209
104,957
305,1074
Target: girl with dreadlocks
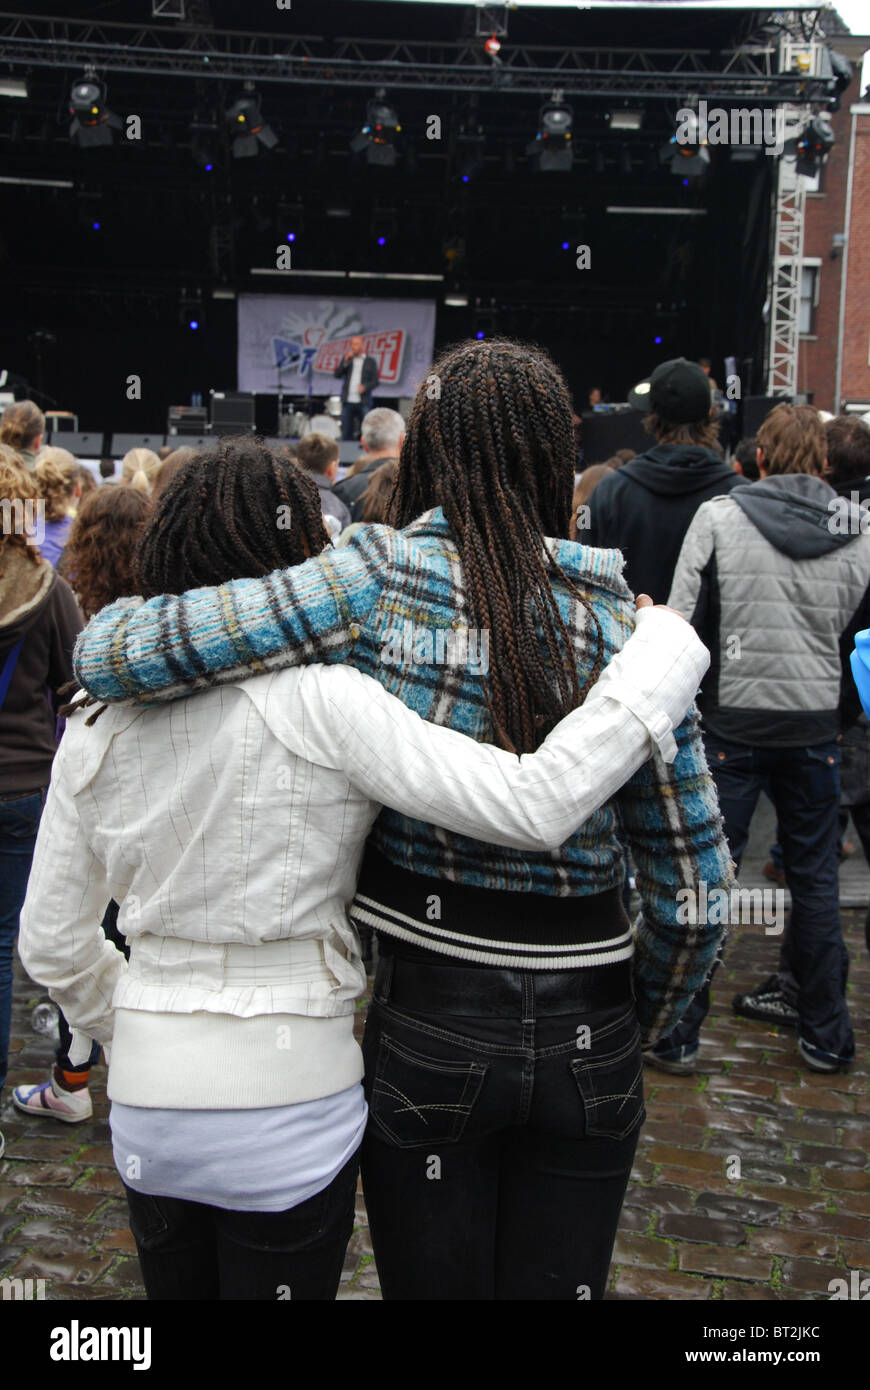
x,y
230,828
512,1000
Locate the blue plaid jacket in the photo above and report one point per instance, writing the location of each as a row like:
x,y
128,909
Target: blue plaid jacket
x,y
371,601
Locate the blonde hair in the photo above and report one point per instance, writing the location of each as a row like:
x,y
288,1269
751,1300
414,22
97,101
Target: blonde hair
x,y
139,469
22,423
55,478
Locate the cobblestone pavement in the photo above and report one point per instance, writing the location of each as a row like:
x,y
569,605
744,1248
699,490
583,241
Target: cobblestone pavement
x,y
797,1216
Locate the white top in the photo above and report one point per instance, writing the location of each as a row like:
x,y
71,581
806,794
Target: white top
x,y
243,1160
356,367
230,827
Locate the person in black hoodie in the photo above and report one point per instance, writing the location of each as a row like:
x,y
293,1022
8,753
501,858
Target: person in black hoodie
x,y
39,622
776,580
645,508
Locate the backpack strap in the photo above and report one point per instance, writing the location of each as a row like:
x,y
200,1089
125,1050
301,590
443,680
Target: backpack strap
x,y
8,668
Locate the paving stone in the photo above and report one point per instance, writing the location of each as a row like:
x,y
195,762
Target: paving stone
x,y
799,1244
686,1158
838,1223
98,1155
641,1250
744,1209
25,1174
720,1120
733,1264
828,1157
702,1229
812,1098
70,1267
632,1219
634,1283
810,1275
119,1239
856,1253
659,1199
753,1293
61,1201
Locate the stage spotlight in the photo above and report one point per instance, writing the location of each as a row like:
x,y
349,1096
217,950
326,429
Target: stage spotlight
x,y
93,123
247,127
812,146
551,150
377,139
623,119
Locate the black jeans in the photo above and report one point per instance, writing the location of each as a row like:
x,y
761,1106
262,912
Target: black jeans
x,y
505,1110
804,786
188,1250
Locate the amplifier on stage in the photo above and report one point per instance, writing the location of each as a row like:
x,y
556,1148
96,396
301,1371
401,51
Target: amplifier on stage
x,y
233,412
187,419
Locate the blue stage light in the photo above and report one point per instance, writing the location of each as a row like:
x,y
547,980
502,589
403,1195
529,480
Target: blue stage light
x,y
194,323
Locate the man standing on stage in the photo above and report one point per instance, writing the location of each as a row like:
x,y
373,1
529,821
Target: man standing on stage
x,y
359,375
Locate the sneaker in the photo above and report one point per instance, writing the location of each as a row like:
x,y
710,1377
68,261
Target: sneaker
x,y
767,1003
773,873
816,1060
51,1101
681,1062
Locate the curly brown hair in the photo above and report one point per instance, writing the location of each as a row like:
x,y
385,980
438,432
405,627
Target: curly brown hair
x,y
98,557
55,477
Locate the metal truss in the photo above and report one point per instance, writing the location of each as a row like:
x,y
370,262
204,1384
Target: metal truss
x,y
748,72
787,244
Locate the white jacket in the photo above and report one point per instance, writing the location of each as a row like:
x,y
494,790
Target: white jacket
x,y
230,828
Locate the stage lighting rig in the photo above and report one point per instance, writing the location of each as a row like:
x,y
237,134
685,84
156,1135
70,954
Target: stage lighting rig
x,y
247,128
689,159
378,136
551,150
92,122
841,70
812,146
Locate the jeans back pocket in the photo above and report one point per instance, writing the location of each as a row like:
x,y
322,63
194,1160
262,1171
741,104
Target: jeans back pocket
x,y
419,1100
610,1081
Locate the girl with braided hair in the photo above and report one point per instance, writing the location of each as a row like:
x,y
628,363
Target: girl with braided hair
x,y
230,829
503,1044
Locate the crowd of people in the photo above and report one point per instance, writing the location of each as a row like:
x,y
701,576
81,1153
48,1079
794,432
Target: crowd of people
x,y
209,815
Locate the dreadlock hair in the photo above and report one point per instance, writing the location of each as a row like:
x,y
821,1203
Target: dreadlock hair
x,y
238,511
493,445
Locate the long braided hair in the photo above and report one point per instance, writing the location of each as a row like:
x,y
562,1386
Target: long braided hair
x,y
240,511
237,512
490,439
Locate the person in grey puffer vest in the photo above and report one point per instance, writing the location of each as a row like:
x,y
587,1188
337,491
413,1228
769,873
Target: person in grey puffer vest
x,y
775,580
645,508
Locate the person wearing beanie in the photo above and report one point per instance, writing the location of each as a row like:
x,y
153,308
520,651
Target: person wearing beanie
x,y
645,508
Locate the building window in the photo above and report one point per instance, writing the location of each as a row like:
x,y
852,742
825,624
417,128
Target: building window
x,y
809,297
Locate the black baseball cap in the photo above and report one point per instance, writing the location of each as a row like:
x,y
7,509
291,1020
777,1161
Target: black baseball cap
x,y
679,390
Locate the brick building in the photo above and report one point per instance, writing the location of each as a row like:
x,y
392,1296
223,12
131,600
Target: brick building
x,y
834,359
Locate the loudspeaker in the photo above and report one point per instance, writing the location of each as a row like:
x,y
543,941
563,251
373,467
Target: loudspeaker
x,y
89,446
123,443
233,412
603,432
191,441
756,410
